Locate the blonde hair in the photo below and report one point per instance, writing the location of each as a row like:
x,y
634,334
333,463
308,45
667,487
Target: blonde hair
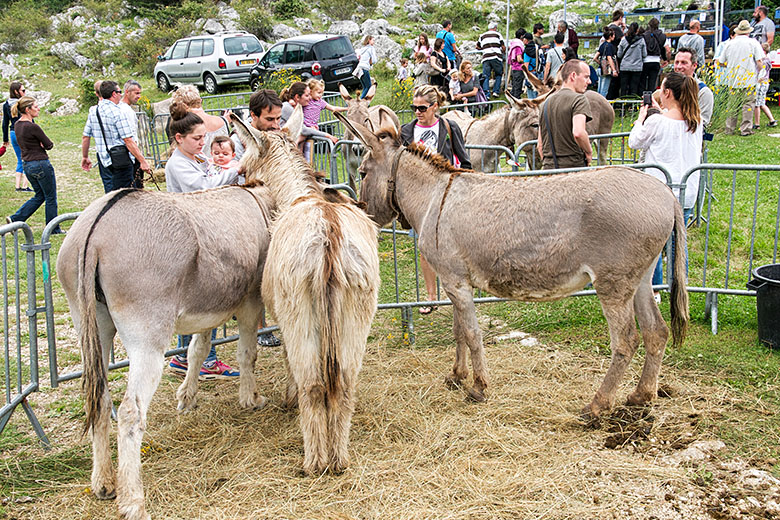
x,y
419,57
455,75
21,106
316,84
430,94
367,39
463,64
189,95
766,46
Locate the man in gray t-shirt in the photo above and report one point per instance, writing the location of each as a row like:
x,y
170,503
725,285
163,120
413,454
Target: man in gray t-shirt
x,y
763,27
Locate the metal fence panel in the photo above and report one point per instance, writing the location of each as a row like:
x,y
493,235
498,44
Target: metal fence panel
x,y
20,379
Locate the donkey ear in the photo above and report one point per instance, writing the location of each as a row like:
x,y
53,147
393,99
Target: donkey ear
x,y
533,80
512,100
248,136
371,92
385,119
294,125
344,93
363,134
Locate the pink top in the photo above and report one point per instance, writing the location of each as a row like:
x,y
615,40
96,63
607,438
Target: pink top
x,y
311,112
425,50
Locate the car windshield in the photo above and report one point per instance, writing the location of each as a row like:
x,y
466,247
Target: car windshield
x,y
242,45
333,49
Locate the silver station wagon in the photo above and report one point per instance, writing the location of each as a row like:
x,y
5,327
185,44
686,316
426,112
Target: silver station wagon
x,y
209,60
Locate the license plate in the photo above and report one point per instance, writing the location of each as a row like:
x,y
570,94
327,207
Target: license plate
x,y
247,62
343,71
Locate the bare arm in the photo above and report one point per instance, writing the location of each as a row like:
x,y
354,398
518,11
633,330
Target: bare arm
x,y
335,109
539,142
546,71
581,135
132,147
86,164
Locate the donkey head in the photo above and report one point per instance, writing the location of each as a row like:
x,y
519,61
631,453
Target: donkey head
x,y
357,109
260,146
524,118
380,149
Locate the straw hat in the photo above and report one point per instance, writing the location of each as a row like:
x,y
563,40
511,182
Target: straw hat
x,y
743,27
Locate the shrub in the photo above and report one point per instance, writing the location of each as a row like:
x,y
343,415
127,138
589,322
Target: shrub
x,y
104,10
521,15
22,22
344,9
253,20
462,14
87,95
67,32
401,94
289,8
281,79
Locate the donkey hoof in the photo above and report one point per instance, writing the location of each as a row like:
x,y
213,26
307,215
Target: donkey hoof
x,y
453,382
638,399
476,396
256,403
105,493
590,415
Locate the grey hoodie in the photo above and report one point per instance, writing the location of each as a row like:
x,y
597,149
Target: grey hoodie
x,y
632,57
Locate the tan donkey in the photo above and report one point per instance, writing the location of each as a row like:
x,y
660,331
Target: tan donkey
x,y
536,239
321,282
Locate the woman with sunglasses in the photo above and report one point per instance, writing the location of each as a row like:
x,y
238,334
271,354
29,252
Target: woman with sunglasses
x,y
439,136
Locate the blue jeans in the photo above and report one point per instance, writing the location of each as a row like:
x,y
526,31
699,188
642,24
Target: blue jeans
x,y
183,341
18,152
659,270
531,93
604,82
497,67
41,177
105,176
365,80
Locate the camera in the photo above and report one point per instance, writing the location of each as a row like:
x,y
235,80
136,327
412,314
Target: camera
x,y
647,98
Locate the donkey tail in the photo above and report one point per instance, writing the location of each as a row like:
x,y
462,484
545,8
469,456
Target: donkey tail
x,y
679,299
330,289
94,382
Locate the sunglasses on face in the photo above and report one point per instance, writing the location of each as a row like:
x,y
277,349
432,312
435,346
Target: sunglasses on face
x,y
420,108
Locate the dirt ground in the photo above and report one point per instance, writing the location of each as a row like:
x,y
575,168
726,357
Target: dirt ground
x,y
420,451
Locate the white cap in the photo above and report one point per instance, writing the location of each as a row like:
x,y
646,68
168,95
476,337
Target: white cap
x,y
493,25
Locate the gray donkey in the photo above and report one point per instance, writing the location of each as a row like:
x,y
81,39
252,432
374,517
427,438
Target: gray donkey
x,y
536,239
148,265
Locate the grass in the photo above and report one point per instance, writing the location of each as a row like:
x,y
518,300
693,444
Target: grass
x,y
407,429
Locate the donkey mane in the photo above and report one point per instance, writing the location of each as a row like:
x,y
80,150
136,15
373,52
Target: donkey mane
x,y
434,159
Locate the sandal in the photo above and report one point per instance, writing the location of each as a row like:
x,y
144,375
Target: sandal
x,y
428,310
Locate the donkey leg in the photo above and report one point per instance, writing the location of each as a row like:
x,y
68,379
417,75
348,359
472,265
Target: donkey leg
x,y
291,393
303,356
468,335
624,341
103,479
145,373
248,397
197,352
341,406
654,334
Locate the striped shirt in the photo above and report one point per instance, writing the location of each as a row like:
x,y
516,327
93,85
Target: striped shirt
x,y
490,43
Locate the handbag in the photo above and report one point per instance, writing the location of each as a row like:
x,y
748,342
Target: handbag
x,y
119,154
481,97
358,72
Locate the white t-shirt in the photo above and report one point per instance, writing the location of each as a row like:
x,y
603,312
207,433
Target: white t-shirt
x,y
762,30
428,136
669,143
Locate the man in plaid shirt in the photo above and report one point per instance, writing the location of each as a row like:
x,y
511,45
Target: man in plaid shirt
x,y
118,130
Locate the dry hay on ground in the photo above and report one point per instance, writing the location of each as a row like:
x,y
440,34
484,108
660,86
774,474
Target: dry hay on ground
x,y
420,451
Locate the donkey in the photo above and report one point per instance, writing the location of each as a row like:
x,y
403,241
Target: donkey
x,y
321,282
536,239
149,265
358,110
509,126
602,110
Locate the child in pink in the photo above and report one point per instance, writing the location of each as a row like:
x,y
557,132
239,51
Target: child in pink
x,y
312,111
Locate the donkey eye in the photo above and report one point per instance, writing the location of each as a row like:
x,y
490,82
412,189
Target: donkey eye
x,y
362,173
534,125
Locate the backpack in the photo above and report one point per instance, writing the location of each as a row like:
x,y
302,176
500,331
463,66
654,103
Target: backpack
x,y
654,47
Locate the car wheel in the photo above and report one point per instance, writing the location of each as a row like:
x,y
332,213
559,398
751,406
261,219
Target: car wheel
x,y
209,84
163,83
255,83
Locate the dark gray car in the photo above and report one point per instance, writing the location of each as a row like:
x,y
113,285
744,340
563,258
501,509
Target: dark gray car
x,y
328,57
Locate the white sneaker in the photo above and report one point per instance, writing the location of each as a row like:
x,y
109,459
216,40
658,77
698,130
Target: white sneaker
x,y
657,298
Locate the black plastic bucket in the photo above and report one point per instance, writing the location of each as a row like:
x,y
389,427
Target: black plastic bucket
x,y
766,283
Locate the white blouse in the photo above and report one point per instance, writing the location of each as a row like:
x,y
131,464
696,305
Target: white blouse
x,y
669,144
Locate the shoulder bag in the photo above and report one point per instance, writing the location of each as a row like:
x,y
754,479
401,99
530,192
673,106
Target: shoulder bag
x,y
119,154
